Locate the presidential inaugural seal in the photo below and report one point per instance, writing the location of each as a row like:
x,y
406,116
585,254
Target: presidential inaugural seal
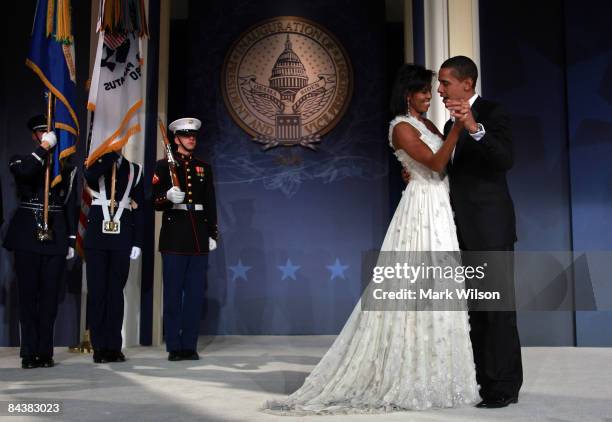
x,y
287,81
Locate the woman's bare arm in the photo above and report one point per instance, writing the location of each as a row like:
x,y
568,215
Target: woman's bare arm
x,y
406,137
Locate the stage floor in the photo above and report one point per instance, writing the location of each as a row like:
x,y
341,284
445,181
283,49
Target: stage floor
x,y
236,374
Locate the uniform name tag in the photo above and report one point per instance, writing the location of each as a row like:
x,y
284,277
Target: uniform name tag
x,y
111,227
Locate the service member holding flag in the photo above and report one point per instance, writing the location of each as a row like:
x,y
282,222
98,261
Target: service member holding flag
x,y
114,236
188,233
114,229
39,265
41,233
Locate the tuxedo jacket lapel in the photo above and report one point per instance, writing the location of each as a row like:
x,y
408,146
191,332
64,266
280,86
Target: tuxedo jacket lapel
x,y
476,108
447,128
460,142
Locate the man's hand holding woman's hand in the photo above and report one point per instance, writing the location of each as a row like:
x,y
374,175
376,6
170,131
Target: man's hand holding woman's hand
x,y
461,111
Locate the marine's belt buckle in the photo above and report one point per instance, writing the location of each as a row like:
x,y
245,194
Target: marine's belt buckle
x,y
111,227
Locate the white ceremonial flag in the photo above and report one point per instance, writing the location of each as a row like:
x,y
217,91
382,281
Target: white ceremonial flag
x,y
116,93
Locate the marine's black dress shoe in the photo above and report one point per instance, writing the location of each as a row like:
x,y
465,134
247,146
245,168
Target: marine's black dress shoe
x,y
100,356
115,356
45,361
29,362
175,356
190,355
497,403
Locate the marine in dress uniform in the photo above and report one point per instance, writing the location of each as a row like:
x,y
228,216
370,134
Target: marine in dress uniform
x,y
113,237
39,265
188,233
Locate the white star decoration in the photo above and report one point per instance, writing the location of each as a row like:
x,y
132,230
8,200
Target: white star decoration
x,y
239,271
337,269
288,269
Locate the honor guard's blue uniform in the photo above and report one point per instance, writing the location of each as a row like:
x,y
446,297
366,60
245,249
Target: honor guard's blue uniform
x,y
109,241
184,245
39,265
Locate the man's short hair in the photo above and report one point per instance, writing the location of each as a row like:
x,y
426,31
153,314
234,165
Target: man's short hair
x,y
463,67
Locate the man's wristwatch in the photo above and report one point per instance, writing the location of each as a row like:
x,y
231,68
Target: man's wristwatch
x,y
479,128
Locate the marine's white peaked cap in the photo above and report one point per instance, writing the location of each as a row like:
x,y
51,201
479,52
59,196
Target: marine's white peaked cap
x,y
186,124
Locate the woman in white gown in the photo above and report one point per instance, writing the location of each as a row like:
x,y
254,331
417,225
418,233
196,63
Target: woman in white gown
x,y
388,360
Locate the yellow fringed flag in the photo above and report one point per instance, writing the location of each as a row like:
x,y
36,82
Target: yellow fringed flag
x,y
116,92
116,86
51,57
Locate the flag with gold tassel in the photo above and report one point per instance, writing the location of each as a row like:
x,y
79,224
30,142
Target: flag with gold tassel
x,y
116,92
116,89
51,57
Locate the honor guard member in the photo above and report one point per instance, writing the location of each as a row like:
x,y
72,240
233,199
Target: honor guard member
x,y
113,238
39,263
188,233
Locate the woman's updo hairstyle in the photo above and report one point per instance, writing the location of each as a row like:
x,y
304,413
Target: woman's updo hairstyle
x,y
410,78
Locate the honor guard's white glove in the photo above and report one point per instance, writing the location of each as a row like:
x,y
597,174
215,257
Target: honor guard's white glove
x,y
49,138
175,195
212,244
70,254
135,253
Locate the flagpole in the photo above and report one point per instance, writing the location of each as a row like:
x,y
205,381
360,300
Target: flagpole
x,y
44,234
113,188
84,346
49,157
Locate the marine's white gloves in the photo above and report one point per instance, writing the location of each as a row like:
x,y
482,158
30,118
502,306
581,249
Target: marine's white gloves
x,y
175,195
49,138
70,254
212,244
135,253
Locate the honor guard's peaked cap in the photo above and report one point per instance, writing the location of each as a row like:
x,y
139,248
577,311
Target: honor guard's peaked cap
x,y
38,122
185,126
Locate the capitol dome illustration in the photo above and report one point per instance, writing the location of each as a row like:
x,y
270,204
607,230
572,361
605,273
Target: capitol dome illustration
x,y
288,73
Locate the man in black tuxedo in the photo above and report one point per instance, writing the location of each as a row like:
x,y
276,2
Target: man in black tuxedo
x,y
485,219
